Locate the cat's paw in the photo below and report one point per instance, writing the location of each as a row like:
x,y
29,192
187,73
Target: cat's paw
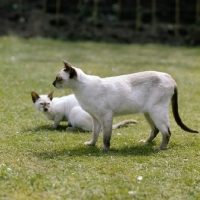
x,y
104,149
89,143
161,148
143,141
52,126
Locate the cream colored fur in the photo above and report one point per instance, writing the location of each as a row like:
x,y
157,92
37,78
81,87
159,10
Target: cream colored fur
x,y
67,109
147,92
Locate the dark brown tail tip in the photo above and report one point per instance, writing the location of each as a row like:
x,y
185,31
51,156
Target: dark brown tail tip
x,y
192,131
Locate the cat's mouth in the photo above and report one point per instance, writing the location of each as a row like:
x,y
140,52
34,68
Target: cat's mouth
x,y
45,110
56,85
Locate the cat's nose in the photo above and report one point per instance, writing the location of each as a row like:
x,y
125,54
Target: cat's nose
x,y
54,83
45,109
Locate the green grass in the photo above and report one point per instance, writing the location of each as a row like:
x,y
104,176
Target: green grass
x,y
38,163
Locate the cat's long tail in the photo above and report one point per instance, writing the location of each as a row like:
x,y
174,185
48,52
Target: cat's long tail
x,y
118,125
177,118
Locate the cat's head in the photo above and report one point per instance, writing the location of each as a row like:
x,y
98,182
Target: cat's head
x,y
66,76
42,102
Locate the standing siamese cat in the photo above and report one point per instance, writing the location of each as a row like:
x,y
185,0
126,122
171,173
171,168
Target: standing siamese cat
x,y
147,92
67,109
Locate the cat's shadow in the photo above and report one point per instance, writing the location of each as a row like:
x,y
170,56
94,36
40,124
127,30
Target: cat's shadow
x,y
83,150
138,150
60,128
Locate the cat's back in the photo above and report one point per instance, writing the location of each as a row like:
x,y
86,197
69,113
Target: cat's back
x,y
65,102
69,99
63,99
146,78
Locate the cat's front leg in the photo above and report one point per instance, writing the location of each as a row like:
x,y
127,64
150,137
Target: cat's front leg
x,y
56,122
95,132
53,126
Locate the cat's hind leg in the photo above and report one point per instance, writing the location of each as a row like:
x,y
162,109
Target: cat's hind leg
x,y
161,120
154,129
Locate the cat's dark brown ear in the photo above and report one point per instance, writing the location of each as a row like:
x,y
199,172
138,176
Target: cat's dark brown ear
x,y
50,95
34,96
69,69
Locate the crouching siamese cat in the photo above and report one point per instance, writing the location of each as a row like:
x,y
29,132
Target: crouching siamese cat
x,y
67,109
147,92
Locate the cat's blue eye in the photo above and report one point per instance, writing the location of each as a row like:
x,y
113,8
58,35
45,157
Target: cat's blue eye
x,y
41,104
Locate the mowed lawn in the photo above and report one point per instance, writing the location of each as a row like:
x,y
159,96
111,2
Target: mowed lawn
x,y
39,163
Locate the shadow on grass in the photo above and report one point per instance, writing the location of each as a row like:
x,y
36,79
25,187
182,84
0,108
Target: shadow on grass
x,y
47,128
86,151
80,151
